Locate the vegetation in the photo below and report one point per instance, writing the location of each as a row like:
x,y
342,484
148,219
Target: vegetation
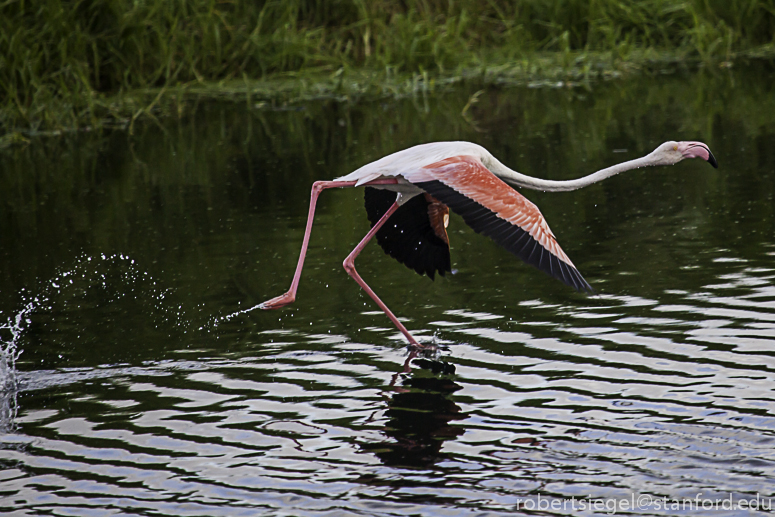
x,y
66,64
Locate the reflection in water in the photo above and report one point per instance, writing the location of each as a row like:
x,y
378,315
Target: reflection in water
x,y
419,415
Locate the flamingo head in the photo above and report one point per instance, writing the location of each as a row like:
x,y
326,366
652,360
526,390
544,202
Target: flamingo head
x,y
671,153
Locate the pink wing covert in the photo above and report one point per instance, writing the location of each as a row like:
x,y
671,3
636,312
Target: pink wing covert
x,y
493,208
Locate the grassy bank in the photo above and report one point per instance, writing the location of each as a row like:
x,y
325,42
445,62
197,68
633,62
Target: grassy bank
x,y
75,64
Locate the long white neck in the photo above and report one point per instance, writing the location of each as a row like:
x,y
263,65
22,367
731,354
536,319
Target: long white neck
x,y
520,180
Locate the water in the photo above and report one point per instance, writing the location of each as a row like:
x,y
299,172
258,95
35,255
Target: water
x,y
122,257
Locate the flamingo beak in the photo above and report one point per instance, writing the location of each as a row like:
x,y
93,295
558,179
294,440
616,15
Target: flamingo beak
x,y
697,150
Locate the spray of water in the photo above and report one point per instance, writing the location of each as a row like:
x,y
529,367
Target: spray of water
x,y
10,332
86,285
114,276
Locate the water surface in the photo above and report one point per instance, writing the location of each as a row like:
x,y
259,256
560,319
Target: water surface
x,y
123,255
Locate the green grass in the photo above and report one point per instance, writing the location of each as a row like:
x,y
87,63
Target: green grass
x,y
84,63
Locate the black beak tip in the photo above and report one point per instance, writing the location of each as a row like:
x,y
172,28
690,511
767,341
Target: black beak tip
x,y
712,160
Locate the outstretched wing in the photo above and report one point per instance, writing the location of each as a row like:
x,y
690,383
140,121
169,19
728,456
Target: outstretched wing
x,y
415,234
493,208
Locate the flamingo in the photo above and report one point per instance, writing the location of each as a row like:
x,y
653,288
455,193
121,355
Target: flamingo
x,y
415,188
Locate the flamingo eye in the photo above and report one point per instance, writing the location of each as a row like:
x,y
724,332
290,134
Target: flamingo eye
x,y
675,148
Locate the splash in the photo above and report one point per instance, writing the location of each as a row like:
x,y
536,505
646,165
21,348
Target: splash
x,y
223,319
113,276
10,333
9,348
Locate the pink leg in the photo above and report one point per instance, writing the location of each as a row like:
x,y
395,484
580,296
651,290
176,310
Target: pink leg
x,y
317,187
349,266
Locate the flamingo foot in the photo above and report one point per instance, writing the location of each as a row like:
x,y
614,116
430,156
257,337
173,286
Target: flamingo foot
x,y
278,301
415,347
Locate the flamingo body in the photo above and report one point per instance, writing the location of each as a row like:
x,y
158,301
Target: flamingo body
x,y
487,204
409,165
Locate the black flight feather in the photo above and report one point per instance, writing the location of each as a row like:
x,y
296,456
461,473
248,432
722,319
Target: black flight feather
x,y
408,235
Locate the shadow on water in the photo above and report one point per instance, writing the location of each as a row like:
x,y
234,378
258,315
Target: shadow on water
x,y
123,256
